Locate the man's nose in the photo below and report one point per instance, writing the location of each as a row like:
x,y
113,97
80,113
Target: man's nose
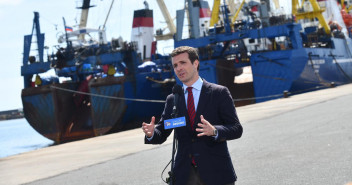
x,y
177,68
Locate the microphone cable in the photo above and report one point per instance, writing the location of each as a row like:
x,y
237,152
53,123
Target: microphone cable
x,y
167,180
177,91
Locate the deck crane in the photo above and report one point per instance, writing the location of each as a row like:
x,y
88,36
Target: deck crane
x,y
316,13
232,8
216,8
237,12
215,13
276,2
169,22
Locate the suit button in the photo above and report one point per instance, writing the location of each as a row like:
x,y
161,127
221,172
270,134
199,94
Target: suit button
x,y
193,140
190,155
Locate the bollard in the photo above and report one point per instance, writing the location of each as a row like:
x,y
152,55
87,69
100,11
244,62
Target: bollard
x,y
332,84
286,94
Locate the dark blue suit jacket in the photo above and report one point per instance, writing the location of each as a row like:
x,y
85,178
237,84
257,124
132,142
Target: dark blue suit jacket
x,y
211,155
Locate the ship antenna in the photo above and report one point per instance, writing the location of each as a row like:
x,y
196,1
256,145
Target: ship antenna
x,y
146,5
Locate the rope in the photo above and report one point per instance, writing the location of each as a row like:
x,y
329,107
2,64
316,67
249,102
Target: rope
x,y
162,101
315,72
338,65
104,96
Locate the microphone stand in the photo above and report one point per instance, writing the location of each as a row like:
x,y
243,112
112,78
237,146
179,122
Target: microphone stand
x,y
171,179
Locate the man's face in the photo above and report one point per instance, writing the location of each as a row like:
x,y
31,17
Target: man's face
x,y
184,69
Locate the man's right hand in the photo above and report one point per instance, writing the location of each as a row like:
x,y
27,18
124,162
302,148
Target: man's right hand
x,y
148,129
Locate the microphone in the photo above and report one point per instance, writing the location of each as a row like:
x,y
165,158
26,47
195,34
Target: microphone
x,y
173,123
177,91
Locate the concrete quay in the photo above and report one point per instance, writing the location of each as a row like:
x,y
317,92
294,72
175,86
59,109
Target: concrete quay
x,y
303,139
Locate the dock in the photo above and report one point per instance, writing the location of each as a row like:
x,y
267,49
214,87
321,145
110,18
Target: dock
x,y
302,139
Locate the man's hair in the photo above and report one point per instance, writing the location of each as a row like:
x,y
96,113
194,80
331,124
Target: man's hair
x,y
192,53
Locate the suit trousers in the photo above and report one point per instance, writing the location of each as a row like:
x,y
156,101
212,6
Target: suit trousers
x,y
194,177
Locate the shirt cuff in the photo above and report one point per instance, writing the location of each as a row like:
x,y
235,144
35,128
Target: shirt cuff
x,y
215,137
150,138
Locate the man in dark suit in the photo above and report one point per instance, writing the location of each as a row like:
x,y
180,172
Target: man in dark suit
x,y
202,155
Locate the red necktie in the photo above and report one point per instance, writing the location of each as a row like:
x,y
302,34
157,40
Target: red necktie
x,y
191,113
190,107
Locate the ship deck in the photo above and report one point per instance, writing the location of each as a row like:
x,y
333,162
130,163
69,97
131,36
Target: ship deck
x,y
303,139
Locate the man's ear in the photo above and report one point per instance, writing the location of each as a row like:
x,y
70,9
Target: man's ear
x,y
197,63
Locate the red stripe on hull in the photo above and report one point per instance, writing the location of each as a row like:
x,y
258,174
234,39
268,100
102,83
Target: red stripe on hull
x,y
142,22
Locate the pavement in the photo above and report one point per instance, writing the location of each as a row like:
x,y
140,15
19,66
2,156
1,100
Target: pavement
x,y
303,139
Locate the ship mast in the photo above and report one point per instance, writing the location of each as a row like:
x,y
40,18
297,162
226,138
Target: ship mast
x,y
84,16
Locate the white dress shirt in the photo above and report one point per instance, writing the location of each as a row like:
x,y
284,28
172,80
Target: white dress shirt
x,y
197,87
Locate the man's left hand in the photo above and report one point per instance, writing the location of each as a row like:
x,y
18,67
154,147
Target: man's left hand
x,y
206,129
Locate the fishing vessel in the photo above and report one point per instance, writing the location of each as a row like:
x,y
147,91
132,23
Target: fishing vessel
x,y
266,54
257,52
98,86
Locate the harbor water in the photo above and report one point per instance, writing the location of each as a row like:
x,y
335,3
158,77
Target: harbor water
x,y
17,136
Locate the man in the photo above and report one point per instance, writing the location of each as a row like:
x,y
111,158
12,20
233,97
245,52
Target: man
x,y
202,155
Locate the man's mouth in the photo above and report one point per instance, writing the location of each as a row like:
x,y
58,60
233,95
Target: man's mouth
x,y
181,74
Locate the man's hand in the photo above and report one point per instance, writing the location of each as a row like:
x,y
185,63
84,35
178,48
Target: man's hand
x,y
148,129
206,128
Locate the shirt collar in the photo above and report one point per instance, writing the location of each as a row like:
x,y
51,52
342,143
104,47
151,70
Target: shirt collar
x,y
197,85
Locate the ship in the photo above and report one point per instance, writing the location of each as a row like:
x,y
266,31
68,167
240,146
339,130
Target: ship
x,y
265,53
257,52
97,86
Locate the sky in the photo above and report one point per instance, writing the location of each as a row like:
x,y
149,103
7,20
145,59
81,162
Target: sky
x,y
16,17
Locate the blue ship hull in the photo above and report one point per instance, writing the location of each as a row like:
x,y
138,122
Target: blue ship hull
x,y
108,89
274,72
301,70
277,72
61,114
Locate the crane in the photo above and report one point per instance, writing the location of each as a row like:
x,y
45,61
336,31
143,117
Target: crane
x,y
237,12
316,13
215,13
170,24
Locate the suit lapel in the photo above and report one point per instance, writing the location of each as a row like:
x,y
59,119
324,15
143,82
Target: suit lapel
x,y
203,100
183,109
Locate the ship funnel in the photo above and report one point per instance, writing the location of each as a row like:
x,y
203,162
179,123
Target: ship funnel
x,y
142,32
204,16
